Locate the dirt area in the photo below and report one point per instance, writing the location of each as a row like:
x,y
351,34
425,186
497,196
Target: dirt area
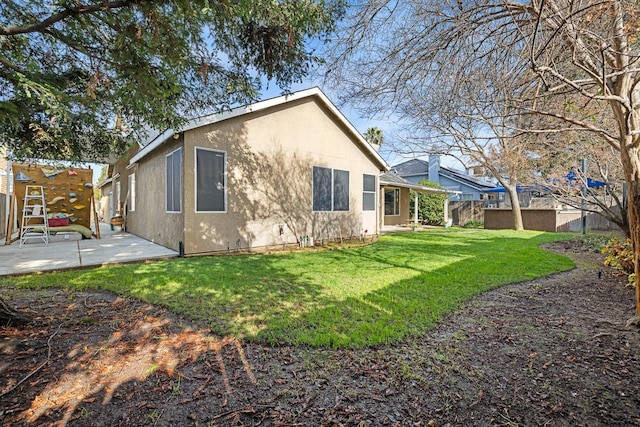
x,y
554,351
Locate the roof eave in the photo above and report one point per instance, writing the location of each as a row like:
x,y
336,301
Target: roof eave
x,y
419,188
158,140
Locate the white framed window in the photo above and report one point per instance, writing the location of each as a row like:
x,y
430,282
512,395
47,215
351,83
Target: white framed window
x,y
368,192
211,180
118,199
392,201
330,189
173,180
131,184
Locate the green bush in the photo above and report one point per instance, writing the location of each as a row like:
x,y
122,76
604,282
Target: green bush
x,y
430,206
473,224
596,242
620,255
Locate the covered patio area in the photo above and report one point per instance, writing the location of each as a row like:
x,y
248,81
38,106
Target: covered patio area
x,y
395,200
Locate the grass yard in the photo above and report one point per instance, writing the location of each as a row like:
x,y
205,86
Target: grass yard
x,y
365,296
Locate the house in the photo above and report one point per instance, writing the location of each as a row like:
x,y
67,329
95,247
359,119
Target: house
x,y
395,194
466,186
276,172
6,181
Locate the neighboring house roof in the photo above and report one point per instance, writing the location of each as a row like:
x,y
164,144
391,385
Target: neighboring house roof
x,y
413,167
391,179
418,167
158,139
468,180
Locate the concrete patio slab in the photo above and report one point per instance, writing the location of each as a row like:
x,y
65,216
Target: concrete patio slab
x,y
114,247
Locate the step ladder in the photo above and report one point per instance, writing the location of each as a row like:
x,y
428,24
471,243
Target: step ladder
x,y
34,216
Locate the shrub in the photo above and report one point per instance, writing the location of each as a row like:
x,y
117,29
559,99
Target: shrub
x,y
430,206
473,224
620,255
595,241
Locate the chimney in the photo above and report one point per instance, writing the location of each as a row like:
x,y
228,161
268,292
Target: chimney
x,y
434,168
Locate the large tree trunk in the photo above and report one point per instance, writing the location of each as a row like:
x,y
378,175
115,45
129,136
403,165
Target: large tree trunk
x,y
515,207
630,154
10,317
634,225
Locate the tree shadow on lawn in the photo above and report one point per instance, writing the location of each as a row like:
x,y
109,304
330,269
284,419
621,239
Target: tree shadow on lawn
x,y
410,283
359,297
266,298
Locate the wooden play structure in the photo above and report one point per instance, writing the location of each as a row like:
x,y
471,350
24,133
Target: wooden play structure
x,y
67,198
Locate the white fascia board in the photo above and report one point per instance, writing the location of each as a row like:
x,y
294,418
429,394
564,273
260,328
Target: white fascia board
x,y
158,140
419,188
152,144
104,182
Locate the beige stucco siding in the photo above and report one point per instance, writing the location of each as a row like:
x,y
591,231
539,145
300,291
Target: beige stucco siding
x,y
150,219
269,161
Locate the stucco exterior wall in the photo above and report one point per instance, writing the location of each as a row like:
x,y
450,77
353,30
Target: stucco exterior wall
x,y
103,205
119,182
150,218
532,219
270,155
546,220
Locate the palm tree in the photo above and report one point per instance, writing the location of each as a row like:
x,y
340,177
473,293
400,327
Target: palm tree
x,y
374,136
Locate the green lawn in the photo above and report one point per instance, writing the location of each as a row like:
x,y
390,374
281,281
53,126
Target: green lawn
x,y
365,296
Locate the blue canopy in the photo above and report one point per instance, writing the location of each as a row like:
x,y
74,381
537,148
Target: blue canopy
x,y
519,189
591,183
571,176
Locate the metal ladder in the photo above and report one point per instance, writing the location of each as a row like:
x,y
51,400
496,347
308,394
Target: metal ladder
x,y
34,216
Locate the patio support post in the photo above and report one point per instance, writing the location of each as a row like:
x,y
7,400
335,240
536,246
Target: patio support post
x,y
446,209
415,207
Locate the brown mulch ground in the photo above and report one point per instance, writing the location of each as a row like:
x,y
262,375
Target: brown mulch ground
x,y
554,351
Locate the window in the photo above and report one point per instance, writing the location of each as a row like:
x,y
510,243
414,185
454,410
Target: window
x,y
392,202
131,202
118,198
368,192
330,189
340,190
211,181
174,181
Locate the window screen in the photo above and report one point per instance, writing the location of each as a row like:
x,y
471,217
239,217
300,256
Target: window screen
x,y
131,203
392,202
340,190
330,189
210,181
173,181
322,189
368,192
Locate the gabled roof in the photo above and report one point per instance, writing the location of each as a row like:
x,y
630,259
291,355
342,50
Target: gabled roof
x,y
158,139
464,179
412,167
468,180
391,179
418,167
